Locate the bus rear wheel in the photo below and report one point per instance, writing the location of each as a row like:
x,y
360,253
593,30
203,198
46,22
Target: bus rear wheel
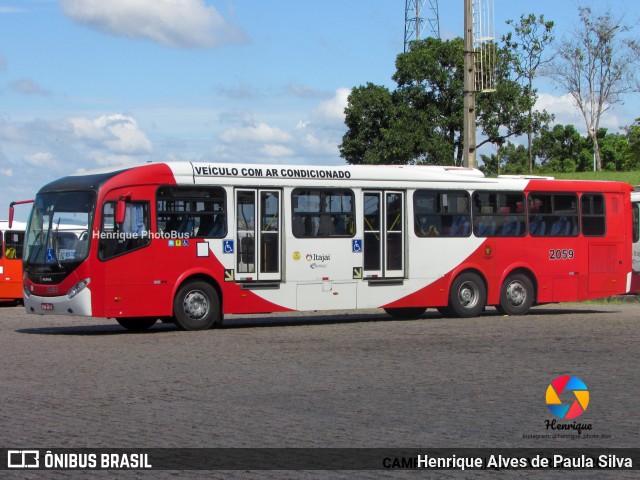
x,y
406,313
196,306
516,295
468,295
137,324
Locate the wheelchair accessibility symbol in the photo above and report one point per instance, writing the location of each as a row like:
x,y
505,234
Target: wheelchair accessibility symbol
x,y
356,246
227,246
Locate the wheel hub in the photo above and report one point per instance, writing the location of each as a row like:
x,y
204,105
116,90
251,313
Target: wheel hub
x,y
468,296
516,294
196,305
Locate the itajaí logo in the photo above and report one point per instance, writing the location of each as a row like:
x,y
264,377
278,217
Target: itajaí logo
x,y
573,391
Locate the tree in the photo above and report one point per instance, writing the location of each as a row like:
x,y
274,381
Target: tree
x,y
562,149
597,66
421,120
632,156
613,150
527,44
511,159
430,84
507,111
368,118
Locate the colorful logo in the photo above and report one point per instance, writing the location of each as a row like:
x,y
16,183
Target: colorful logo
x,y
576,397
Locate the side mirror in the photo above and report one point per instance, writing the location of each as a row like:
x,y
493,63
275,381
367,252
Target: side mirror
x,y
11,214
121,209
11,209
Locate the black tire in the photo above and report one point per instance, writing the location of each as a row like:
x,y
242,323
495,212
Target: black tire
x,y
516,294
468,295
406,313
137,324
196,306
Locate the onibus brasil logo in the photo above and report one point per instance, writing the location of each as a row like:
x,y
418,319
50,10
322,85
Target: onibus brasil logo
x,y
576,396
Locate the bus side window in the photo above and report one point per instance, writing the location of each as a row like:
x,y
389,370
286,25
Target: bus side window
x,y
441,213
593,214
322,213
14,244
119,238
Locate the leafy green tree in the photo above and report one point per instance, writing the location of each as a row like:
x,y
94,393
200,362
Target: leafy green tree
x,y
527,44
507,111
613,150
511,159
490,165
515,159
421,120
430,84
632,156
597,65
369,118
562,149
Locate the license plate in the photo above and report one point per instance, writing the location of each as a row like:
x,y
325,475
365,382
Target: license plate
x,y
46,306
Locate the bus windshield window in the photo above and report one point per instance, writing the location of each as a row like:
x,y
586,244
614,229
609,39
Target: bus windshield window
x,y
58,232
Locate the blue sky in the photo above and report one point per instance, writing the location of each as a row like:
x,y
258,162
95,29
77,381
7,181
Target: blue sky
x,y
92,83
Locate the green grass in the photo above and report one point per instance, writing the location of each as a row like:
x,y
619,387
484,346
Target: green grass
x,y
629,177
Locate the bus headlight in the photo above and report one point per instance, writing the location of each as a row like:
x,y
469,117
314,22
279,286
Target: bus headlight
x,y
78,287
25,291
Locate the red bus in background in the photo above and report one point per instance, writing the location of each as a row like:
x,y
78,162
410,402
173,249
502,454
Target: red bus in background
x,y
11,245
190,242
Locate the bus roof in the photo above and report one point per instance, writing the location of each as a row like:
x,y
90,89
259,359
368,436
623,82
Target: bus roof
x,y
4,225
206,173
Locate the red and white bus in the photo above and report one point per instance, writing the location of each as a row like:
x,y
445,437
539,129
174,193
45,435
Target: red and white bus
x,y
190,242
11,242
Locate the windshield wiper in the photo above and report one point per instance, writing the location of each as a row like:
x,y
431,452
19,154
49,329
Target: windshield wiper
x,y
56,244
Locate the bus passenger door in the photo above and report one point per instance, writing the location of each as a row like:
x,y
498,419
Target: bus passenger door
x,y
258,235
384,236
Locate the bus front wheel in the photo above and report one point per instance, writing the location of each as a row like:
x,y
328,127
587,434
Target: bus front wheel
x,y
196,306
516,295
468,295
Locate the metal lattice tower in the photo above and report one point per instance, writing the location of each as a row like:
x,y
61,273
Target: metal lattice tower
x,y
414,20
484,45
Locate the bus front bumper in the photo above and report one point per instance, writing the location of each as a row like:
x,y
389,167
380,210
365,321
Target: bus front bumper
x,y
62,305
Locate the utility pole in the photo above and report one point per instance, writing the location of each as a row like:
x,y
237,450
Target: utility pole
x,y
469,116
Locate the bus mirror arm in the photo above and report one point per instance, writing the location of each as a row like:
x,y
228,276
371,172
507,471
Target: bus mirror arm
x,y
11,209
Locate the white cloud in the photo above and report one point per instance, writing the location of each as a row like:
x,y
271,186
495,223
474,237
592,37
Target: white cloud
x,y
566,112
175,23
258,133
313,138
276,151
106,159
332,111
70,144
116,133
40,159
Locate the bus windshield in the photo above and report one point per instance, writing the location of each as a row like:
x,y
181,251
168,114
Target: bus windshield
x,y
58,232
